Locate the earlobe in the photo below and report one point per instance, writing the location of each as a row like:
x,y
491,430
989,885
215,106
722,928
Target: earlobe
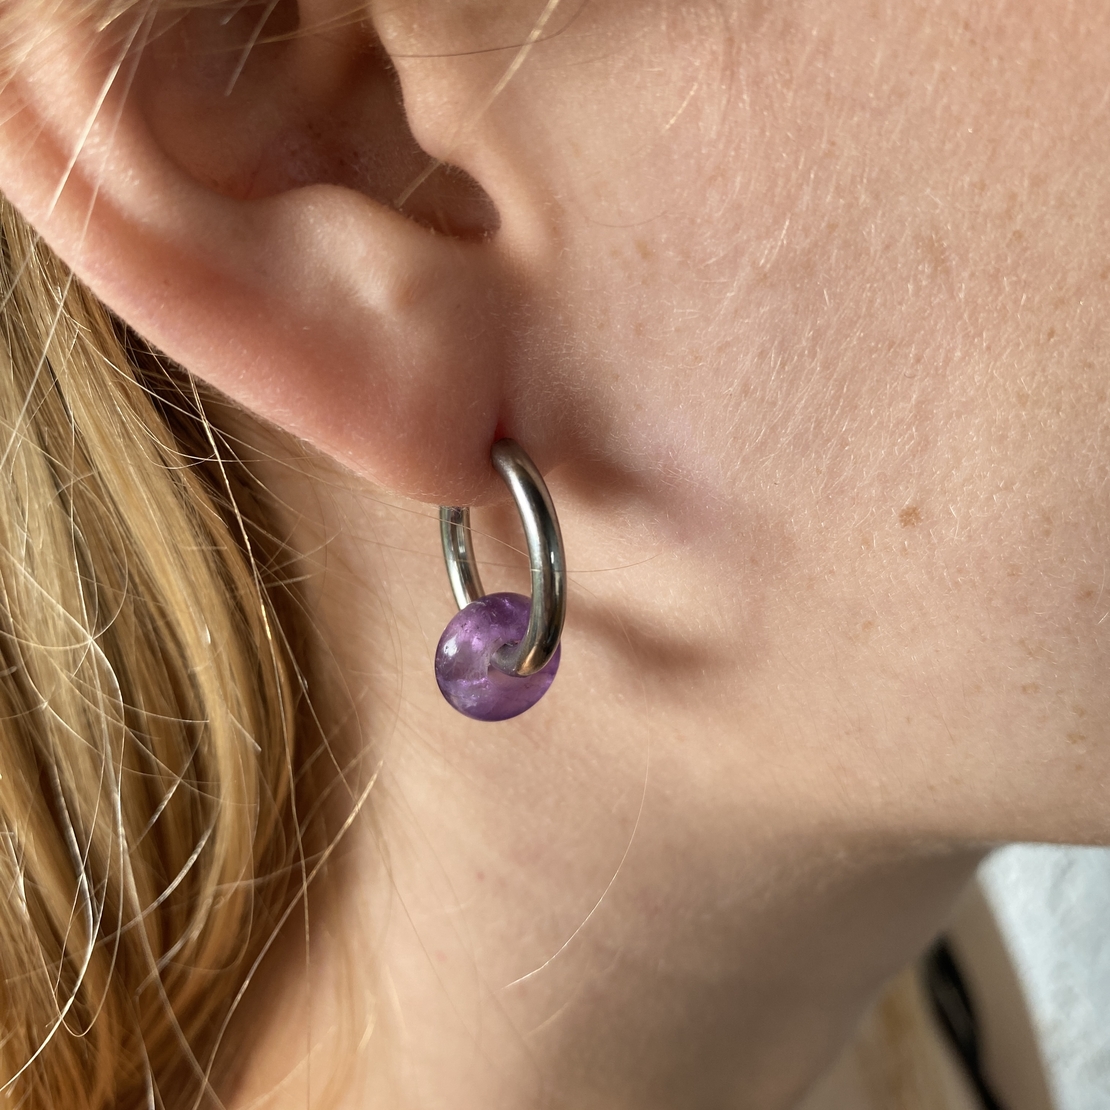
x,y
302,295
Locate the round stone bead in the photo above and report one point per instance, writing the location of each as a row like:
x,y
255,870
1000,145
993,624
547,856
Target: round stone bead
x,y
465,671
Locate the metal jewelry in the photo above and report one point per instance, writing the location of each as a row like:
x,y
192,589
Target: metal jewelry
x,y
499,653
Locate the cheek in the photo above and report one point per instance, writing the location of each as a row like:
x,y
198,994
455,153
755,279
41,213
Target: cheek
x,y
859,253
857,287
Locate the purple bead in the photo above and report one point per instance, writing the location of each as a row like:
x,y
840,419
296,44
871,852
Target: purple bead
x,y
464,669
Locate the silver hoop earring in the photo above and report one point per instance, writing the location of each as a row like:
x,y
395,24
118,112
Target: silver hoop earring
x,y
498,655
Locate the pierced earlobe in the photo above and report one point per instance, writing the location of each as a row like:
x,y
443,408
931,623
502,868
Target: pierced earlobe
x,y
270,239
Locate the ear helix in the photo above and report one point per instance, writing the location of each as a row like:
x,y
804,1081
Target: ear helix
x,y
498,655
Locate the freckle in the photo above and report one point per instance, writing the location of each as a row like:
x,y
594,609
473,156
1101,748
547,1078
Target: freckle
x,y
867,626
1076,737
1080,712
910,516
643,249
935,252
1050,334
1013,571
1086,593
1030,687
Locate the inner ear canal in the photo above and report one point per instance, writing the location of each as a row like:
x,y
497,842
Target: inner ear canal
x,y
255,99
447,199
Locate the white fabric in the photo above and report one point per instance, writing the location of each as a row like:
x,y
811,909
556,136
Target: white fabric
x,y
1052,906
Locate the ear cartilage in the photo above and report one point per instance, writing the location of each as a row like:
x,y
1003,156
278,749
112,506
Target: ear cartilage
x,y
498,655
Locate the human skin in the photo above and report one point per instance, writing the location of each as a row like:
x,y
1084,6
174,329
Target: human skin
x,y
800,308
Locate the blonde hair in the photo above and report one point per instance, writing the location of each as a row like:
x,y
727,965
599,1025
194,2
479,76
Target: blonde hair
x,y
148,710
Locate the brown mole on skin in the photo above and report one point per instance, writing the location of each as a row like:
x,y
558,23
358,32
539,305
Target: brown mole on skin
x,y
910,516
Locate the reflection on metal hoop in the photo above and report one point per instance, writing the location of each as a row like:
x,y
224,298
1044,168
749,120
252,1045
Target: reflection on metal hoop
x,y
545,554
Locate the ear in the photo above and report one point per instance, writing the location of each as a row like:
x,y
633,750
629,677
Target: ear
x,y
235,183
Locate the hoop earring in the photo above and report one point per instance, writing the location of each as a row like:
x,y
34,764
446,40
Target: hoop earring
x,y
498,655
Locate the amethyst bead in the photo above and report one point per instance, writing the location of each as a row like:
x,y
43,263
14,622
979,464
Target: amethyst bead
x,y
465,671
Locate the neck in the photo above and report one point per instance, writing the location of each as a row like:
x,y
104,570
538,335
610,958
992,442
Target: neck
x,y
591,905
